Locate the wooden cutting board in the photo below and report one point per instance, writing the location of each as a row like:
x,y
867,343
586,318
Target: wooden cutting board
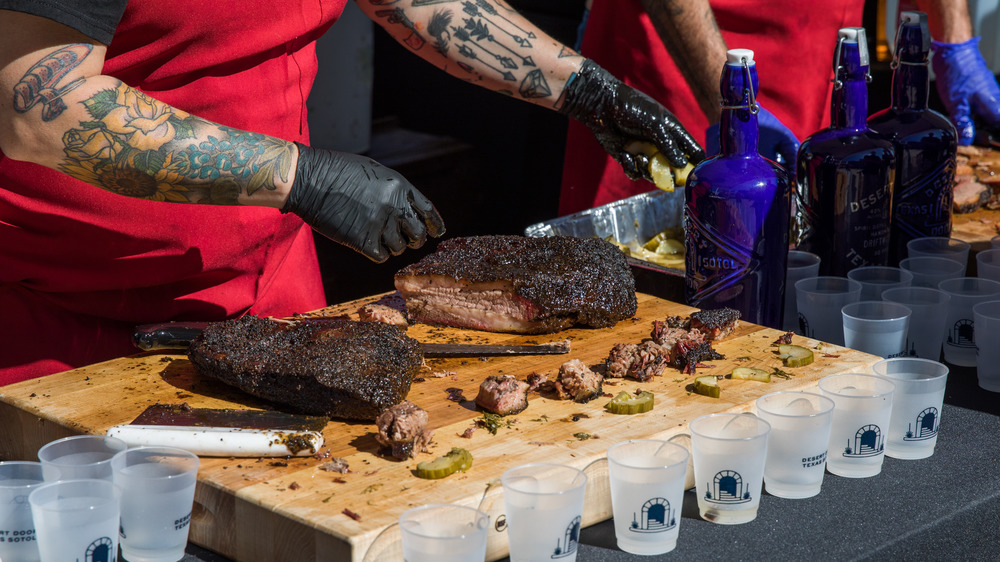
x,y
290,509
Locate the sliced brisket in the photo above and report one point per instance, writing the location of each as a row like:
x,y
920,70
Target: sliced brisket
x,y
334,367
520,284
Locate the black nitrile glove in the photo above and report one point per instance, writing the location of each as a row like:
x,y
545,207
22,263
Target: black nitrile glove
x,y
361,204
619,115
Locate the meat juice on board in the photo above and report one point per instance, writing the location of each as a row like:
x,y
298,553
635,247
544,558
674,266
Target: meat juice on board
x,y
737,211
845,172
925,143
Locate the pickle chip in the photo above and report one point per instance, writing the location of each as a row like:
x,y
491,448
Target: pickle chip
x,y
456,460
627,403
707,385
794,355
750,374
661,172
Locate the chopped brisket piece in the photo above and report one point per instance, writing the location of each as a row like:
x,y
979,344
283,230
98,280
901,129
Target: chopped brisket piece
x,y
520,284
715,324
374,312
688,354
403,428
620,359
578,382
536,380
640,362
334,367
503,395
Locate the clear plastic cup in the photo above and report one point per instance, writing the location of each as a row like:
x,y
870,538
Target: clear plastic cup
x,y
647,491
876,327
988,264
916,405
79,457
18,540
876,278
820,300
544,505
987,318
796,447
801,265
76,519
862,407
928,313
444,533
941,247
729,452
960,332
929,271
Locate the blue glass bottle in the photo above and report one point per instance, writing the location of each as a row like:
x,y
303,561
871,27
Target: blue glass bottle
x,y
925,143
845,172
737,211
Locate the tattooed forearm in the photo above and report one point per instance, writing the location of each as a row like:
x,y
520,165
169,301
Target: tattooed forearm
x,y
40,85
137,146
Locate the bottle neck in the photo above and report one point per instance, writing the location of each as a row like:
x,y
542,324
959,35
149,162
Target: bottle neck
x,y
910,87
738,127
849,107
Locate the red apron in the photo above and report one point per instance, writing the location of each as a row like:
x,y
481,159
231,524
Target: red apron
x,y
793,44
81,266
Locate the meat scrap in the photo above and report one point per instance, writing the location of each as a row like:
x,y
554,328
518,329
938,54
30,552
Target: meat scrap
x,y
520,284
716,324
336,464
374,312
503,395
640,361
403,428
578,382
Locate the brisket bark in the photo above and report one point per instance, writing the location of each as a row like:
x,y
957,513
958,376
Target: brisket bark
x,y
333,367
520,284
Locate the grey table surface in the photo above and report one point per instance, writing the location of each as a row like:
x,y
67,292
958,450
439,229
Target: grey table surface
x,y
945,507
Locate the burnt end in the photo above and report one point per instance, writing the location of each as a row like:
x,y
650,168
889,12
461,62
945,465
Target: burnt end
x,y
579,382
403,429
557,281
503,395
715,324
333,367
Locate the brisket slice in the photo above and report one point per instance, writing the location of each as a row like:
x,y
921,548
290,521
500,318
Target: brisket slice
x,y
333,367
520,284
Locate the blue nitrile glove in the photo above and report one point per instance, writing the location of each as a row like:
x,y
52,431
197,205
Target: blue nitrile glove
x,y
967,87
775,141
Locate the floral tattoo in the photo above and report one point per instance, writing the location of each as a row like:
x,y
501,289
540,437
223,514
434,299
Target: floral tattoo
x,y
137,146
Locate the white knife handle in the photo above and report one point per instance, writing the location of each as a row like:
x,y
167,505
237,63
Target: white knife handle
x,y
222,441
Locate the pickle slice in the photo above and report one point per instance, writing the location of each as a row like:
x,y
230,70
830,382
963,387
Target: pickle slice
x,y
660,171
628,403
794,355
456,460
750,374
707,385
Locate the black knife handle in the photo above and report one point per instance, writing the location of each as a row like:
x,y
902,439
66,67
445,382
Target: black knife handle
x,y
169,335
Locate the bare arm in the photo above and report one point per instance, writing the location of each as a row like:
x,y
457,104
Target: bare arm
x,y
480,41
691,35
948,20
58,110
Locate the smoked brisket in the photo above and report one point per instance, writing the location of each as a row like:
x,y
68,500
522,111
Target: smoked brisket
x,y
333,367
520,284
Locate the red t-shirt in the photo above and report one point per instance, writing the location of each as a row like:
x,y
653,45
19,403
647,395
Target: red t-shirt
x,y
82,266
793,43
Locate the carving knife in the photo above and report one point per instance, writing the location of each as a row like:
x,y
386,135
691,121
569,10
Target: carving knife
x,y
178,335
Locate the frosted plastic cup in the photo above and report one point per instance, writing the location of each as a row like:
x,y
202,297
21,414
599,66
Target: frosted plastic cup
x,y
79,457
796,447
988,264
995,241
861,411
17,529
729,452
544,504
929,271
876,278
76,520
960,332
647,491
444,533
801,265
916,405
157,486
876,327
939,247
820,300
928,312
987,318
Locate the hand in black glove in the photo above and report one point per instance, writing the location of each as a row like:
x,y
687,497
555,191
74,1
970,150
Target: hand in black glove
x,y
619,115
361,204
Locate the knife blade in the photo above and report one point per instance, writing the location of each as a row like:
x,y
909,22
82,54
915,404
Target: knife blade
x,y
221,432
178,335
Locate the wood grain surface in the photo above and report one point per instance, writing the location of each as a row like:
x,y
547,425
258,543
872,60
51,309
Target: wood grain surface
x,y
291,509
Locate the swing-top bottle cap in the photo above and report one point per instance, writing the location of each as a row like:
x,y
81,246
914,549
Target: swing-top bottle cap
x,y
735,56
856,35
